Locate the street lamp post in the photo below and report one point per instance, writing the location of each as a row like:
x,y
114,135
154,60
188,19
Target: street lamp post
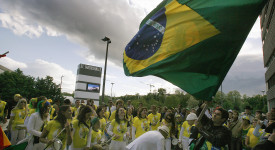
x,y
112,90
61,82
105,39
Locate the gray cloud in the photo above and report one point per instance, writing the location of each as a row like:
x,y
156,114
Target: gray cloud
x,y
246,75
85,22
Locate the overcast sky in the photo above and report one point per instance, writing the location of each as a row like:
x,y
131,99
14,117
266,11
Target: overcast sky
x,y
52,37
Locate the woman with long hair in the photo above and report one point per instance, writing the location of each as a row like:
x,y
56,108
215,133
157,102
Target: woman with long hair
x,y
18,115
81,127
140,124
118,131
56,127
36,124
170,123
100,114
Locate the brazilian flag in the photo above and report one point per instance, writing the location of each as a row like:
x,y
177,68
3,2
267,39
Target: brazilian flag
x,y
191,43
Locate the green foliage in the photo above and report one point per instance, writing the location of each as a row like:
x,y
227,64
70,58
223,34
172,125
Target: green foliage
x,y
17,83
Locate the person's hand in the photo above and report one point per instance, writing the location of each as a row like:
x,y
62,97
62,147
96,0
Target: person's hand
x,y
272,138
116,136
5,120
50,142
67,125
198,124
86,148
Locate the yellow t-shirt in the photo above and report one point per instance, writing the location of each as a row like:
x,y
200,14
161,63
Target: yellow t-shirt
x,y
54,127
106,115
2,108
253,140
119,129
169,125
80,134
52,110
31,111
141,125
102,125
154,119
113,115
187,129
96,137
19,117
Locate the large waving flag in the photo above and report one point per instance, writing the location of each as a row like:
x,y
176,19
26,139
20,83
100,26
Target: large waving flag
x,y
191,43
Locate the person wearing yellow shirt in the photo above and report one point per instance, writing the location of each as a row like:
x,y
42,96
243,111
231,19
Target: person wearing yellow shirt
x,y
154,118
18,115
75,109
186,130
81,127
119,104
106,113
245,126
141,124
31,109
118,131
251,140
59,125
100,115
3,112
95,133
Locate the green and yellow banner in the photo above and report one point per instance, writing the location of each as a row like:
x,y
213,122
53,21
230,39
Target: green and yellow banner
x,y
191,43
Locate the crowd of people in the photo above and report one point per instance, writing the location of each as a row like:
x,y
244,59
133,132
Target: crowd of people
x,y
48,124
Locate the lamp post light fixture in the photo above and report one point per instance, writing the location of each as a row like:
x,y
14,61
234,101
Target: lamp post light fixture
x,y
105,39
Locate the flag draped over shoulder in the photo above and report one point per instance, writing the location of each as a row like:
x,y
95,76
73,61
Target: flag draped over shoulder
x,y
4,141
191,43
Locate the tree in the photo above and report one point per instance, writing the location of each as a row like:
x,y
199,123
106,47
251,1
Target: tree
x,y
17,83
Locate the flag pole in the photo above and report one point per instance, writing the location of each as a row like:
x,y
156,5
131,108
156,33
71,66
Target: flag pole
x,y
202,112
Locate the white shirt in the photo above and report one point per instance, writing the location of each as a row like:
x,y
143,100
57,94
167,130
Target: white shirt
x,y
151,140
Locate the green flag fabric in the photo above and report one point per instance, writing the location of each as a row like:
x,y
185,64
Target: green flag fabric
x,y
191,43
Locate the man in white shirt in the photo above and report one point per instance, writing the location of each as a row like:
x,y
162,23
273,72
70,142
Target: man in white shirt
x,y
151,140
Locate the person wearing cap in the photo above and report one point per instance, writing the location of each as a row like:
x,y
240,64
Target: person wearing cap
x,y
151,140
154,118
12,103
96,133
245,128
31,109
119,104
235,127
247,112
186,130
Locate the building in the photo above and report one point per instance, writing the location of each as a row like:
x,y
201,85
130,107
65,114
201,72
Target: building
x,y
268,40
3,69
88,81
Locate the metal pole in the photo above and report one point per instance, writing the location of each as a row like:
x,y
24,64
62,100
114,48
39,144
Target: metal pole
x,y
263,97
105,67
112,90
61,82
